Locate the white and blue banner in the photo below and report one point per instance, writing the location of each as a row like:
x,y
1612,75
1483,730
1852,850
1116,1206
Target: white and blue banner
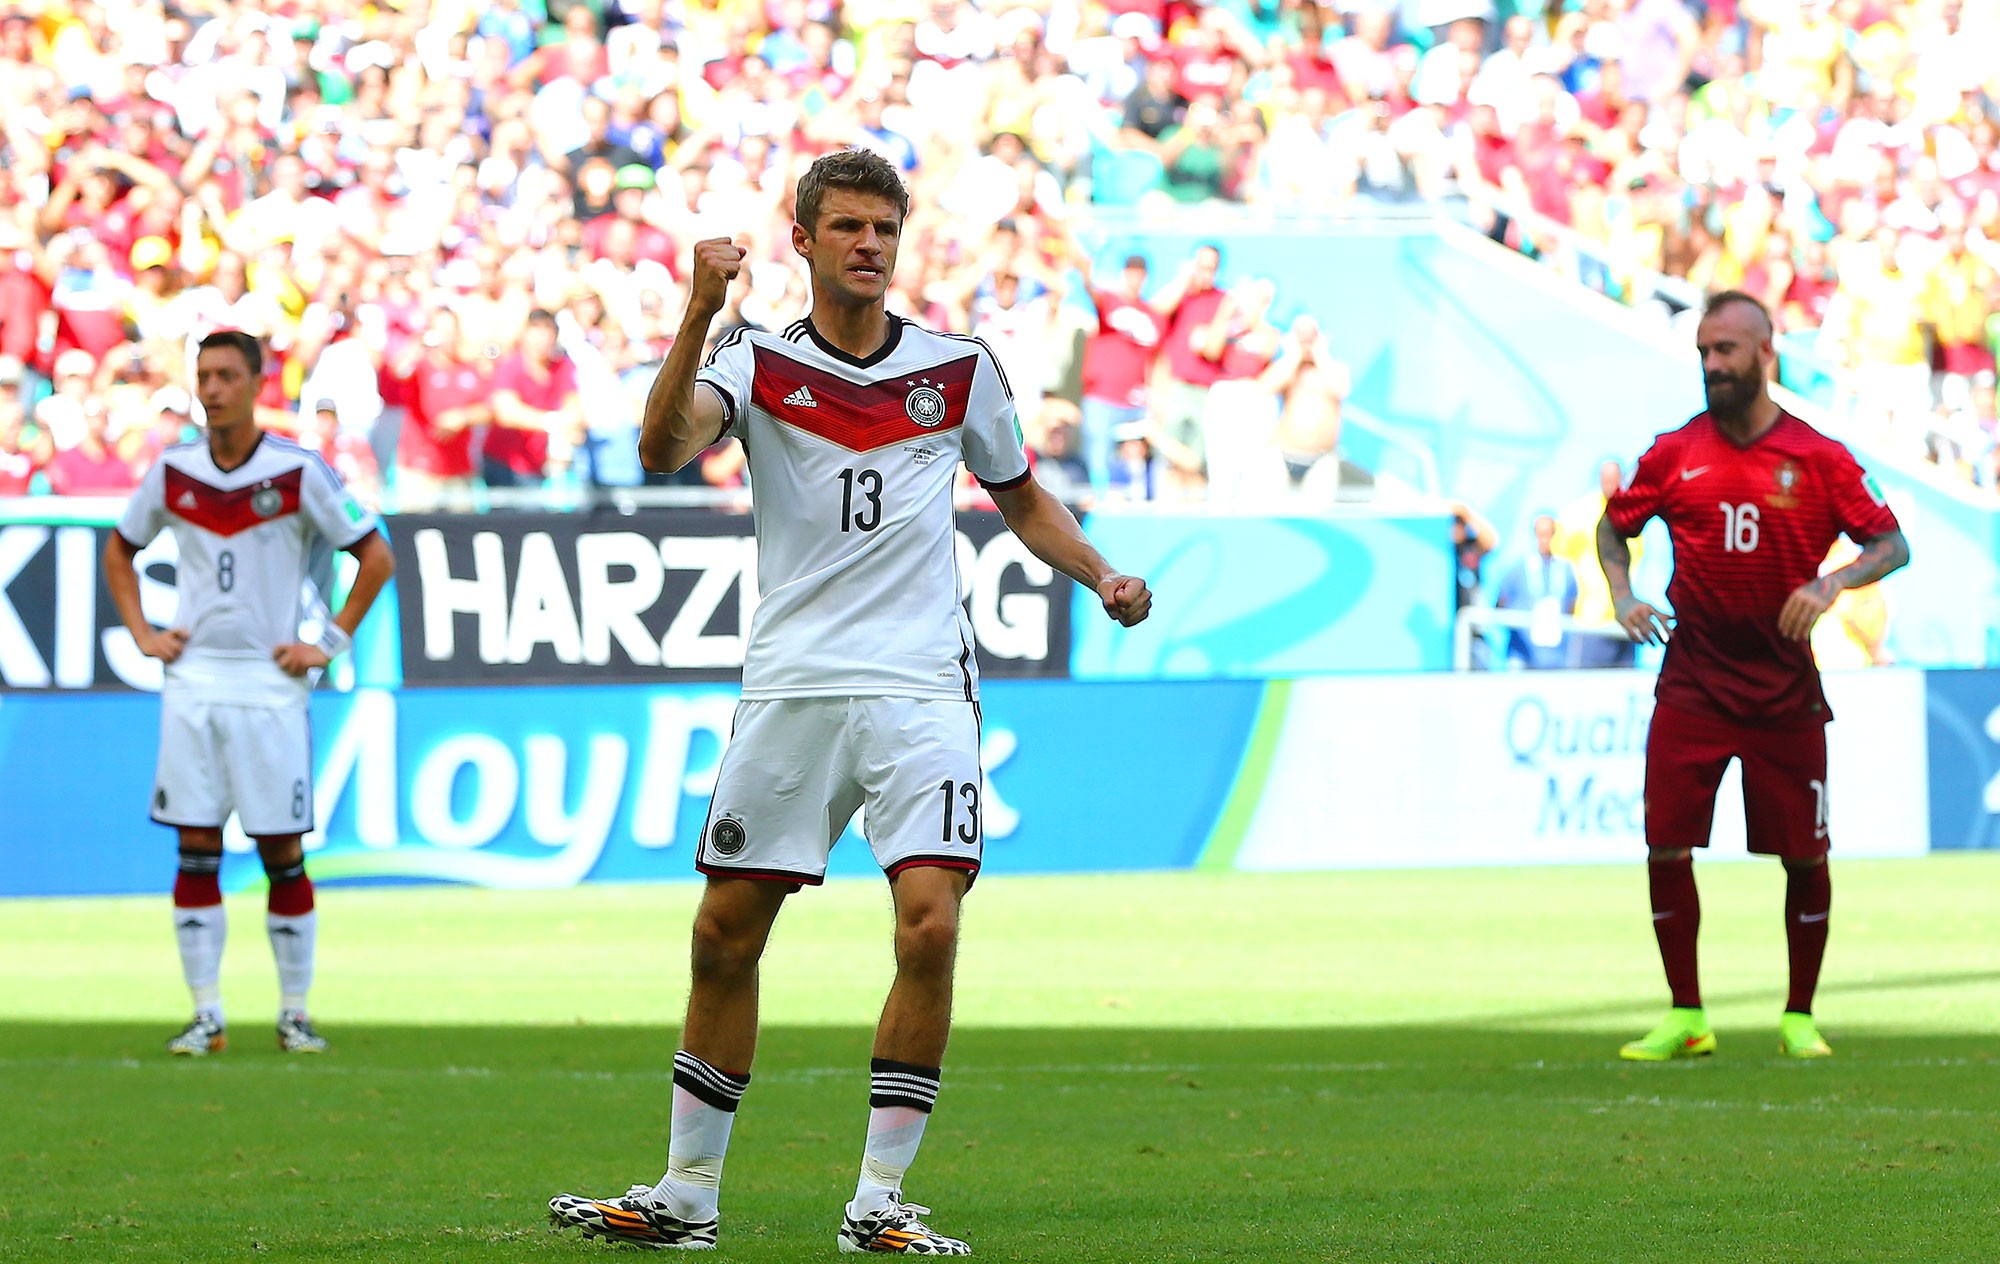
x,y
550,786
1964,760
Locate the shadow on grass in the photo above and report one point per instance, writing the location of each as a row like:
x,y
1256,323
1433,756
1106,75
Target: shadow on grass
x,y
583,1051
1420,1143
1886,983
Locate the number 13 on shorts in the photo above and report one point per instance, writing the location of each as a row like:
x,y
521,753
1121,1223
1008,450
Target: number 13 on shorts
x,y
797,770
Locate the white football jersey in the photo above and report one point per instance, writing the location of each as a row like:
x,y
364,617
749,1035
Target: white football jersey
x,y
852,463
256,557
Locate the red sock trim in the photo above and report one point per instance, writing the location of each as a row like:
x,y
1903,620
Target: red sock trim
x,y
1677,925
197,890
293,898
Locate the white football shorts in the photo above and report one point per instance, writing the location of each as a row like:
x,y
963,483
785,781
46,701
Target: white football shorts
x,y
219,757
797,768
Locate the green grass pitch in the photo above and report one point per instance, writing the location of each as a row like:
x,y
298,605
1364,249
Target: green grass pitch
x,y
1406,1066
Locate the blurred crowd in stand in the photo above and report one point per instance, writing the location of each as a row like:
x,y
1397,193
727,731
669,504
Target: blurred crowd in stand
x,y
462,229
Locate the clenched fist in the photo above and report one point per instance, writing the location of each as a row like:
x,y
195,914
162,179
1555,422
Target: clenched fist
x,y
716,263
1126,598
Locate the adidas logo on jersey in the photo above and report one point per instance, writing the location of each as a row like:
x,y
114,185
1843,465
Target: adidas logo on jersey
x,y
801,398
187,501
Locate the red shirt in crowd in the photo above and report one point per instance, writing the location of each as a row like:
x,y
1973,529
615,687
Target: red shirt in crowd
x,y
1813,294
1203,72
23,300
1749,525
585,61
435,388
648,242
1186,363
1312,68
78,473
95,329
1120,354
527,451
116,226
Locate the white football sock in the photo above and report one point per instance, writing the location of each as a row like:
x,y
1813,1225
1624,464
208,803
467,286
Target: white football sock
x,y
200,932
900,1098
292,941
705,1101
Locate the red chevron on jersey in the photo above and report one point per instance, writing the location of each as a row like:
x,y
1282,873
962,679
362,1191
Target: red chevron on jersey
x,y
227,513
862,416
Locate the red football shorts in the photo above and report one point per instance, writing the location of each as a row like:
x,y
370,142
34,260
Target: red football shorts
x,y
1784,782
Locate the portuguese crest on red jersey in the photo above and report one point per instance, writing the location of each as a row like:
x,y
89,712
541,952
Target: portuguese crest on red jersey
x,y
1787,480
862,416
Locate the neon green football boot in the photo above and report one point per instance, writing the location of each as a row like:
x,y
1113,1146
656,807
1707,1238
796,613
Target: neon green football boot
x,y
1798,1037
1684,1034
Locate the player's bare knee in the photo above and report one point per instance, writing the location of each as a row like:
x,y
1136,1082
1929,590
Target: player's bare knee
x,y
1668,855
200,842
281,851
928,943
1802,864
725,949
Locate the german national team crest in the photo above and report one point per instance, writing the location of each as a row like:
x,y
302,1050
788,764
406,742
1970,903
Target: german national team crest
x,y
925,405
267,501
1787,479
726,836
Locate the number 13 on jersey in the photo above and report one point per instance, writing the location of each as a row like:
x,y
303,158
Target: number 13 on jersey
x,y
860,500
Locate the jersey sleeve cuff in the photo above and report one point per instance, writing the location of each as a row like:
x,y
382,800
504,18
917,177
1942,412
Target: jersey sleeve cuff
x,y
1006,484
1623,523
360,540
129,542
728,407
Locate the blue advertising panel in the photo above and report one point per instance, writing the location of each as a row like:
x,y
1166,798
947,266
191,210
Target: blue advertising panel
x,y
1272,597
547,787
1964,710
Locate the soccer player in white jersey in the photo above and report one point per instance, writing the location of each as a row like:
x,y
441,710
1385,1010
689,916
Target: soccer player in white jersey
x,y
859,686
256,518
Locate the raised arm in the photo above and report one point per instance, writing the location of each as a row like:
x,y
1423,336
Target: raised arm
x,y
680,421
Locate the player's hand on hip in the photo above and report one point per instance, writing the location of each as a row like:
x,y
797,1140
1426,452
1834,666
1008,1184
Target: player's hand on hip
x,y
1803,608
298,658
1642,622
1126,598
165,645
717,260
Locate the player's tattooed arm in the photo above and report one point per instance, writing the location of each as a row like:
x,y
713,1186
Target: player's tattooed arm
x,y
1880,556
1641,621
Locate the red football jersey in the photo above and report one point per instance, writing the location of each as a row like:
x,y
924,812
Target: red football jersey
x,y
1749,525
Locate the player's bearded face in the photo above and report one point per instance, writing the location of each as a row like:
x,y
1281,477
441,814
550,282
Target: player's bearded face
x,y
1733,386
